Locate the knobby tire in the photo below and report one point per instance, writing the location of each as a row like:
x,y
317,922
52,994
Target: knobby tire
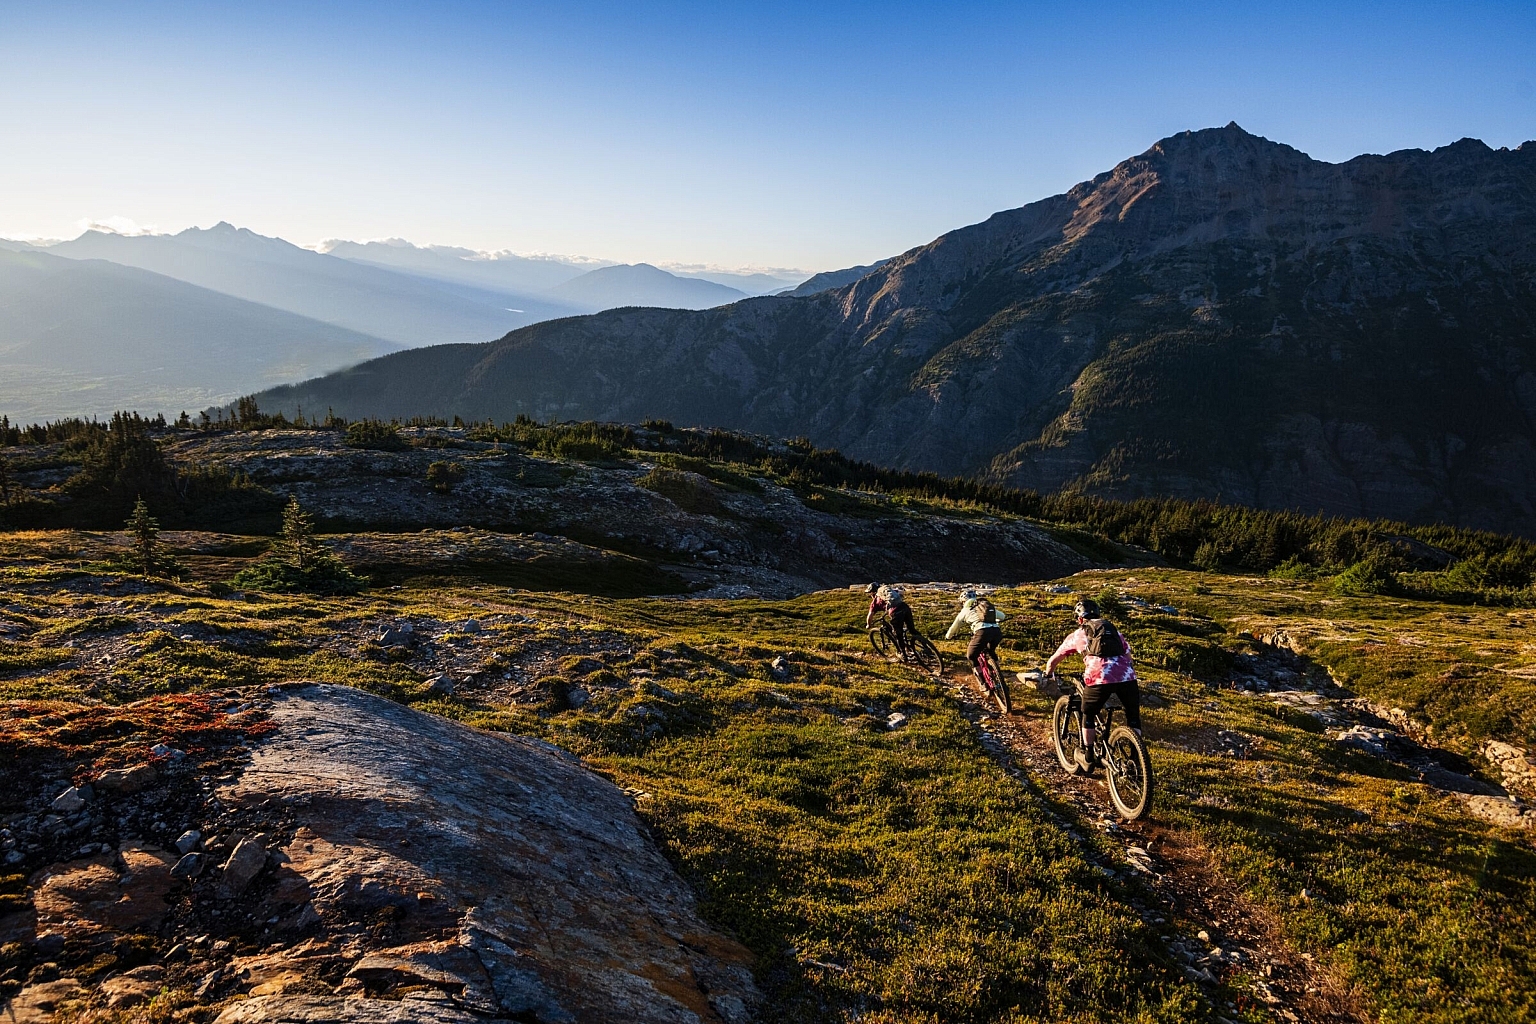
x,y
1130,773
999,687
926,655
1066,731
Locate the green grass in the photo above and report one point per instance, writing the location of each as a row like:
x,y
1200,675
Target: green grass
x,y
903,875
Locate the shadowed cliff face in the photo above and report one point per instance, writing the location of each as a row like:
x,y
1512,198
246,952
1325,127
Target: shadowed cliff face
x,y
1219,316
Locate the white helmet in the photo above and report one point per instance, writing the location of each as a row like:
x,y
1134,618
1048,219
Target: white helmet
x,y
968,595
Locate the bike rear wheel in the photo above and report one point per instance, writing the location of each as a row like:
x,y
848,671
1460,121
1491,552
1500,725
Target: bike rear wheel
x,y
926,655
1130,773
993,676
1067,733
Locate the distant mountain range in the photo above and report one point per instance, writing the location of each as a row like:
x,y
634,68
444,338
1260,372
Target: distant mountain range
x,y
504,272
1221,316
403,308
81,336
120,340
641,284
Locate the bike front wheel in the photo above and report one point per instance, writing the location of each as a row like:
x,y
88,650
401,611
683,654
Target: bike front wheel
x,y
993,676
879,642
1067,734
1130,773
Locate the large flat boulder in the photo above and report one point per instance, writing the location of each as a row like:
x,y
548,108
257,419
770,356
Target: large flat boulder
x,y
493,870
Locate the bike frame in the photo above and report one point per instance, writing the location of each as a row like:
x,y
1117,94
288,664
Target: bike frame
x,y
1103,722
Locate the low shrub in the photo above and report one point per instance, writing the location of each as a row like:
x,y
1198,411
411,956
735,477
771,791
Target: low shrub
x,y
1368,577
325,576
375,434
443,477
688,491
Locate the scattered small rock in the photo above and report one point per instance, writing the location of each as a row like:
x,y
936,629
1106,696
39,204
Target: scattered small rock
x,y
470,626
895,720
1370,741
128,780
779,667
188,841
69,801
441,685
576,696
244,864
189,866
134,987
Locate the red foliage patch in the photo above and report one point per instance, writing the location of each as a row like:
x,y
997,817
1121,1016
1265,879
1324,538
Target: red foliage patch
x,y
98,737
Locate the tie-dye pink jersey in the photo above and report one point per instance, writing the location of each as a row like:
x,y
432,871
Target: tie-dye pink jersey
x,y
1099,671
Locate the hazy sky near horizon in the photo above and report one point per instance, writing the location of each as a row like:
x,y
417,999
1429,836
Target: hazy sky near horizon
x,y
806,135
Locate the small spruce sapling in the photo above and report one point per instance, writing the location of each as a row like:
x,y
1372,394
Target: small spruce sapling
x,y
298,535
442,476
145,529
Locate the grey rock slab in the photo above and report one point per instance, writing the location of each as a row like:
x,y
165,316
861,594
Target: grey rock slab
x,y
294,1009
531,862
36,1004
188,841
68,802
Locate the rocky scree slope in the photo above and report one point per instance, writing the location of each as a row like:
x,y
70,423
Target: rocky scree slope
x,y
1219,316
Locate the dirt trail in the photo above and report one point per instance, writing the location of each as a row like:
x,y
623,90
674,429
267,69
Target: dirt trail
x,y
1244,962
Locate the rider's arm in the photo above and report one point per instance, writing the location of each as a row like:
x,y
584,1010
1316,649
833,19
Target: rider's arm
x,y
1069,646
959,621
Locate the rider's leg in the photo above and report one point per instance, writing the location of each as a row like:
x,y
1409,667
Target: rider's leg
x,y
1092,701
1130,696
901,622
973,652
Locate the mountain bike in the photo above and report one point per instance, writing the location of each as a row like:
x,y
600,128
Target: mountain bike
x,y
1117,747
917,650
991,675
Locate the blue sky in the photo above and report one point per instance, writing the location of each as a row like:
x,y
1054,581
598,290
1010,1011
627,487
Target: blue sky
x,y
770,135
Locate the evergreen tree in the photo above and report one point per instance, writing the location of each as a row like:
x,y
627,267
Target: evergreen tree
x,y
145,529
5,482
298,535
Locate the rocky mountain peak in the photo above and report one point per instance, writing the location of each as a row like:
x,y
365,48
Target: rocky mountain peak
x,y
1221,314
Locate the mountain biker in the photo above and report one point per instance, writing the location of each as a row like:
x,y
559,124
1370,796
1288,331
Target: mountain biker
x,y
890,601
986,627
1107,671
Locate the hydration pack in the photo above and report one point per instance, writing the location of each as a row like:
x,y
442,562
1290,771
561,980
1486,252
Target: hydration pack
x,y
1103,639
988,613
890,595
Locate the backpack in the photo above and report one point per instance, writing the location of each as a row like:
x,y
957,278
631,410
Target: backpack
x,y
890,595
988,613
1103,639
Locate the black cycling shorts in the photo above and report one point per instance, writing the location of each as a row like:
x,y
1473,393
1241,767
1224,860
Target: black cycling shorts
x,y
900,617
984,640
1094,698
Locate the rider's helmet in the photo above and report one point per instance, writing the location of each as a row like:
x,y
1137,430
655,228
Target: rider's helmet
x,y
1087,608
968,595
871,588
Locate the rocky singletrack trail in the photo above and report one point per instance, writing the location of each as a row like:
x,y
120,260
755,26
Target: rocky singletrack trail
x,y
1229,945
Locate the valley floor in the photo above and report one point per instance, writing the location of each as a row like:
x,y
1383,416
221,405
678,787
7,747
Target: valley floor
x,y
1338,832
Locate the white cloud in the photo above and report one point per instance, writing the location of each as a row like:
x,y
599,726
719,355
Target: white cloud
x,y
116,226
